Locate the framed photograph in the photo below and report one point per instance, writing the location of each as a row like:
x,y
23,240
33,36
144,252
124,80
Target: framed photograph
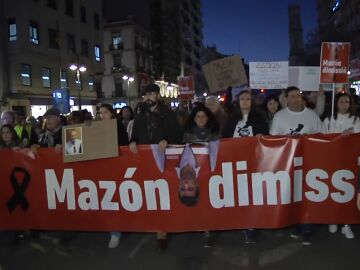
x,y
73,141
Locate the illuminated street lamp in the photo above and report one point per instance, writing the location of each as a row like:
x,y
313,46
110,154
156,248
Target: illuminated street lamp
x,y
128,79
78,68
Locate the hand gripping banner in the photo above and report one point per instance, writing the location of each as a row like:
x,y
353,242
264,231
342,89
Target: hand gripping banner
x,y
266,182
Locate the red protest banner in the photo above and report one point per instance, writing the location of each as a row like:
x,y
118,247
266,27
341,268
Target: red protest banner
x,y
186,88
266,182
334,62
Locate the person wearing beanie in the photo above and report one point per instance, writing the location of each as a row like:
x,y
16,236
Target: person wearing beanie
x,y
155,124
52,135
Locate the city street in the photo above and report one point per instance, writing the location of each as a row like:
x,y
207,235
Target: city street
x,y
274,250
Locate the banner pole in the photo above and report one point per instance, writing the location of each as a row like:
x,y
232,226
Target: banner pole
x,y
333,100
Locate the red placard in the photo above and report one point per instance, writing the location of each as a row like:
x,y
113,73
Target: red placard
x,y
186,88
334,62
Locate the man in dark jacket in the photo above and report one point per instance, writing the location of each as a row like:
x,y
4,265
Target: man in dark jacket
x,y
155,124
52,136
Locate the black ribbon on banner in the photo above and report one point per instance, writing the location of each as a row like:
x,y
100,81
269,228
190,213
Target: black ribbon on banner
x,y
19,186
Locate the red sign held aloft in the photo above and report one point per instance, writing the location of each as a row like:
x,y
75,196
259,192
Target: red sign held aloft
x,y
186,88
334,62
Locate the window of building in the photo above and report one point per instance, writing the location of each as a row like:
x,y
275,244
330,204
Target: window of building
x,y
96,21
117,60
84,48
52,4
118,88
116,41
63,79
83,14
71,46
46,77
25,74
97,53
34,32
69,7
12,29
91,83
53,39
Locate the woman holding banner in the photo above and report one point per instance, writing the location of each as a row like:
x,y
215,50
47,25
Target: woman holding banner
x,y
246,121
343,121
201,127
106,113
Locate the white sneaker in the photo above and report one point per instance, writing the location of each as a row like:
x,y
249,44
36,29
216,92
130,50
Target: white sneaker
x,y
346,230
333,228
114,241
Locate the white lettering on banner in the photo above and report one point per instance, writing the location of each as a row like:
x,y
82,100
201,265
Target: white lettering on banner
x,y
226,182
346,188
266,187
88,200
150,194
130,191
317,180
136,203
110,188
271,179
313,181
65,190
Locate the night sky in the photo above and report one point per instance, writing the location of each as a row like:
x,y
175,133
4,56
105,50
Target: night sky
x,y
255,29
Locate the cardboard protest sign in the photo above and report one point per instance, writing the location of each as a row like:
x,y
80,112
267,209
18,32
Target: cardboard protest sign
x,y
305,78
87,142
334,62
269,75
225,72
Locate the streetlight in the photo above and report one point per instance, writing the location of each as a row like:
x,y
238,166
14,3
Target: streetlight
x,y
78,68
128,79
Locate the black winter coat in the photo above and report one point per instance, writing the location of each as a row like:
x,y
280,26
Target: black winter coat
x,y
255,119
153,127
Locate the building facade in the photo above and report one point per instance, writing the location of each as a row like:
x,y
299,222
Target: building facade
x,y
296,57
128,61
339,21
175,28
192,48
41,45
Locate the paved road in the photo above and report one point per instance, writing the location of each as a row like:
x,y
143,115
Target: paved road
x,y
273,250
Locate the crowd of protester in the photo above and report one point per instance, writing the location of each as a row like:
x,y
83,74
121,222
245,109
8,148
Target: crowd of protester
x,y
153,122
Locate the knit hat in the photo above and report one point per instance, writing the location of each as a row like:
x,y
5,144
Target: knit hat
x,y
52,112
151,88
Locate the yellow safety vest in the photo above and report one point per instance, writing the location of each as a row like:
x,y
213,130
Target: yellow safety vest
x,y
19,129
